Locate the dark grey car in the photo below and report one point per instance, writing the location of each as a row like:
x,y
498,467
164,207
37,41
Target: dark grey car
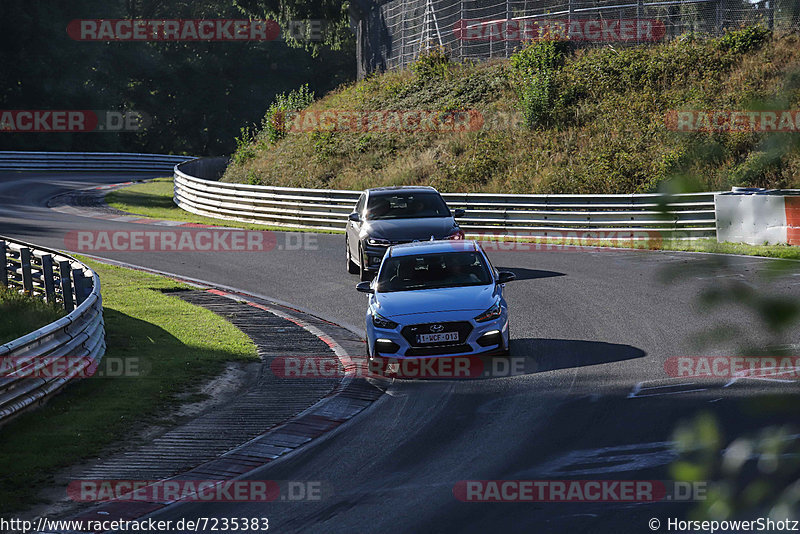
x,y
387,216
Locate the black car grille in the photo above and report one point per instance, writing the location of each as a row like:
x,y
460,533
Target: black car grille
x,y
462,327
437,351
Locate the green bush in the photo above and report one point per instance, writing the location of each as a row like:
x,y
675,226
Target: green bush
x,y
432,64
245,151
744,40
274,123
534,69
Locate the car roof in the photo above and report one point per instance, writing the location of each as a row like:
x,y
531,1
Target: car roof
x,y
433,247
401,188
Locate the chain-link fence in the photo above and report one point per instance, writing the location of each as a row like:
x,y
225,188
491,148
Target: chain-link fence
x,y
398,30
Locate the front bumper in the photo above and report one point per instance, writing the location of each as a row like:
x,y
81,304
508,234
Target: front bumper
x,y
483,338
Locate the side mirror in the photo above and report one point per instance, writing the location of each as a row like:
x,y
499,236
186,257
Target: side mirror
x,y
365,287
459,213
505,276
353,217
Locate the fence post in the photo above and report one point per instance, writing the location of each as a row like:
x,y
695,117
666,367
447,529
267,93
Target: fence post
x,y
463,30
402,33
638,19
47,278
570,11
79,281
25,265
4,266
64,273
771,8
508,21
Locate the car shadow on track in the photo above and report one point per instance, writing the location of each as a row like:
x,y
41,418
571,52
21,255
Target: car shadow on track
x,y
530,274
537,355
528,356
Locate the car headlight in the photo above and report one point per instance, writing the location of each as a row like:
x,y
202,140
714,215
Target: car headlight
x,y
457,235
492,313
379,242
380,321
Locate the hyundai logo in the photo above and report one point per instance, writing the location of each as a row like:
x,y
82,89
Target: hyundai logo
x,y
437,327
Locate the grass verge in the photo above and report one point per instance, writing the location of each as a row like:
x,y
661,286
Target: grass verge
x,y
174,345
787,252
21,314
153,199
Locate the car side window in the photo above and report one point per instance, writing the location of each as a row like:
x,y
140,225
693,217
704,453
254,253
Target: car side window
x,y
360,204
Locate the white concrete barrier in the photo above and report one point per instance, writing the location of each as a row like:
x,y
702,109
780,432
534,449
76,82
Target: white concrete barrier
x,y
758,216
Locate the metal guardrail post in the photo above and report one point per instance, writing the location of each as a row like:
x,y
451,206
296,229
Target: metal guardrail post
x,y
82,329
25,266
4,265
65,274
47,278
79,281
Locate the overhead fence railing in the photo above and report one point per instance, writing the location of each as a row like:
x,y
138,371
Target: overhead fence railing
x,y
88,161
683,216
402,29
39,364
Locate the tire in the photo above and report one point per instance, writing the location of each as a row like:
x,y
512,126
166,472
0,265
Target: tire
x,y
362,271
352,268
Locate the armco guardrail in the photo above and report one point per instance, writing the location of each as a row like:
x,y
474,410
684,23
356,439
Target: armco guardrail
x,y
42,362
683,216
88,161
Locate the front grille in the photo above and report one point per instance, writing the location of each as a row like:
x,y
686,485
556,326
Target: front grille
x,y
437,351
462,327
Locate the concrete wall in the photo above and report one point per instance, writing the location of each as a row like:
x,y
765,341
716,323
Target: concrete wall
x,y
758,217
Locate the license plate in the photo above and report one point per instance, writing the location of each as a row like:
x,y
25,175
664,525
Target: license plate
x,y
437,338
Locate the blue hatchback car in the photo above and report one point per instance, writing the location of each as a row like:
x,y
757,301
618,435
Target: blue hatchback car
x,y
436,298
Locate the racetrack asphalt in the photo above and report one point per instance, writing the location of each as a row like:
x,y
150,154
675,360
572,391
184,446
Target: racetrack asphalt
x,y
591,331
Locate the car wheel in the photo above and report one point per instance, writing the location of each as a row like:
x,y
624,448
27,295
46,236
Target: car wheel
x,y
362,271
352,268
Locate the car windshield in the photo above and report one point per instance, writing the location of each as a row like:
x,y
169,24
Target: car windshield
x,y
432,271
406,206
